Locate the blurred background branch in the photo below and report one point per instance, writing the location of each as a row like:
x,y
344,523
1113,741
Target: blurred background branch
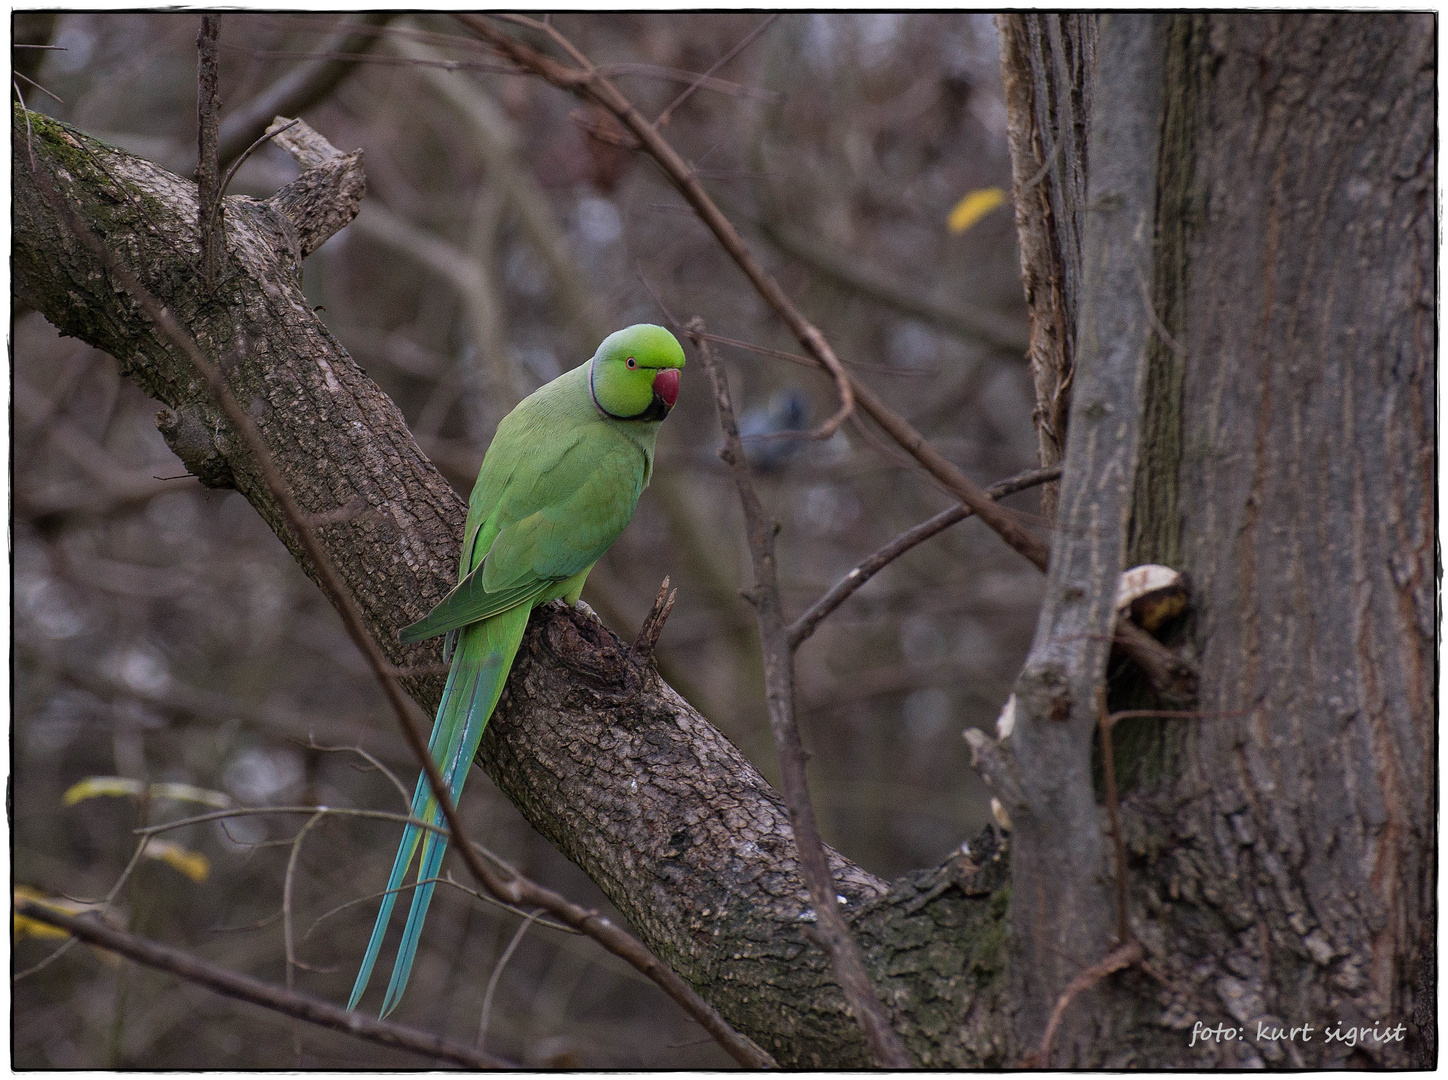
x,y
309,82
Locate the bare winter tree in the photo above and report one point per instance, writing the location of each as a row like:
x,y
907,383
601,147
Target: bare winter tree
x,y
1226,232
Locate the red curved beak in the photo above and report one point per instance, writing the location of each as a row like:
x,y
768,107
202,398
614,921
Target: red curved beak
x,y
666,385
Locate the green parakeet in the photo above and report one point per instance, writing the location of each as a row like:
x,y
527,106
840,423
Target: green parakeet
x,y
558,484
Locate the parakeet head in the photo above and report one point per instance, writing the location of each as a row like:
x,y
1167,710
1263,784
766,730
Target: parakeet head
x,y
634,374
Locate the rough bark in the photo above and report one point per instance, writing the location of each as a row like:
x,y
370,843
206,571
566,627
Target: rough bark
x,y
1282,845
1306,505
1061,912
602,756
1047,65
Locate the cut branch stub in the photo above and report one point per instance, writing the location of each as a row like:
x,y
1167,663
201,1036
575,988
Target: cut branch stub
x,y
328,194
653,624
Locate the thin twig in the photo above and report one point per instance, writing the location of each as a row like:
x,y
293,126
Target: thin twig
x,y
287,937
846,587
546,27
730,55
805,361
210,218
101,909
219,201
446,879
305,84
43,90
1173,714
1123,956
497,975
239,162
245,988
312,744
1156,324
1050,159
514,889
886,1048
1113,815
705,82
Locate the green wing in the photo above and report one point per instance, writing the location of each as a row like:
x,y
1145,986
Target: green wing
x,y
468,603
534,523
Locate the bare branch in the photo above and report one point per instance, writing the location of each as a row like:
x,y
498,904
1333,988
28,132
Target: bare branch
x,y
497,975
210,216
244,988
305,85
1113,815
1122,957
847,586
702,79
834,933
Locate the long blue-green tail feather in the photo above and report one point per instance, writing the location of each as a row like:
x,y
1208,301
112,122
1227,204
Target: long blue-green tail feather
x,y
454,774
480,666
411,835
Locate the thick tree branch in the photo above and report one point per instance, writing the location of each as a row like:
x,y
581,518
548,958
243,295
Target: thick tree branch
x,y
605,759
210,213
327,195
512,888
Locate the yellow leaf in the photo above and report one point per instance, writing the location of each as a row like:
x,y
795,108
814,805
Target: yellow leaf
x,y
973,207
94,786
28,927
188,793
193,864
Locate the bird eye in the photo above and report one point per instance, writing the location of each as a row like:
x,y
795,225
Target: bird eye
x,y
632,363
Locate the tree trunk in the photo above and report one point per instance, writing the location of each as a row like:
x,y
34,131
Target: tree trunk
x,y
1282,845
